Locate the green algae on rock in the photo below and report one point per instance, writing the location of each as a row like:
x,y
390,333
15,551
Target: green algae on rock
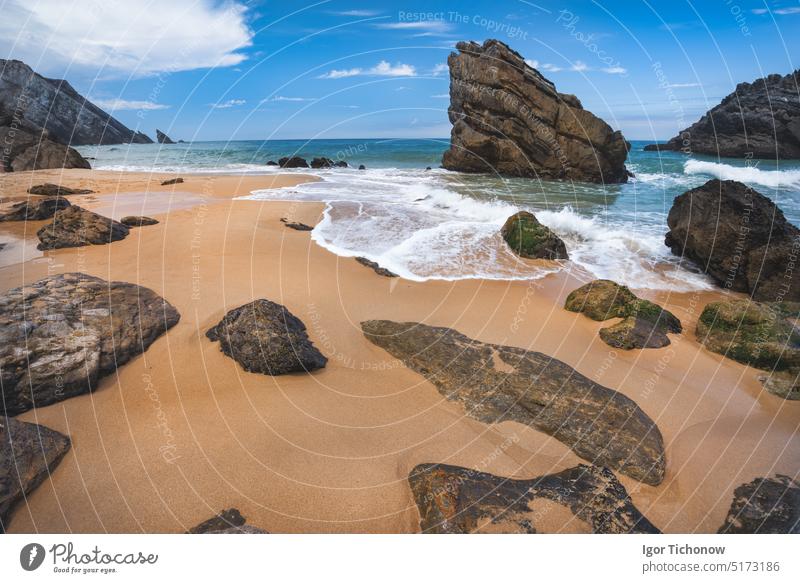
x,y
529,238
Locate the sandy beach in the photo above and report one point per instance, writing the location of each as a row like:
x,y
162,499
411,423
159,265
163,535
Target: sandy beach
x,y
181,431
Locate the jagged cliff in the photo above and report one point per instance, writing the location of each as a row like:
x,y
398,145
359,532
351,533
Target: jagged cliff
x,y
508,118
758,120
55,106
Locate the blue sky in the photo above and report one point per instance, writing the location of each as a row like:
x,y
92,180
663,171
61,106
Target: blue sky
x,y
200,69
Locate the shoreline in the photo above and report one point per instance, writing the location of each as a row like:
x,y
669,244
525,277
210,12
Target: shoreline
x,y
181,431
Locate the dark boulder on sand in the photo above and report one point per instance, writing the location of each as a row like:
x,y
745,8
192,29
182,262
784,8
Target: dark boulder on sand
x,y
739,237
455,500
293,162
29,453
296,226
509,119
60,335
172,181
48,189
35,209
498,383
643,325
529,238
764,506
266,338
229,521
136,221
375,267
77,227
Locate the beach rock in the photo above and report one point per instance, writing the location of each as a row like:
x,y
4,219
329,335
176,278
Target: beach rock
x,y
362,167
655,148
296,226
762,335
172,181
266,338
496,383
739,237
49,189
764,506
322,163
163,138
60,335
35,210
509,119
52,104
293,162
375,267
456,500
134,221
272,163
29,453
758,120
228,521
340,164
77,227
529,238
644,324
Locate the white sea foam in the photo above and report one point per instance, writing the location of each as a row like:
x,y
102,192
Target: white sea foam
x,y
748,174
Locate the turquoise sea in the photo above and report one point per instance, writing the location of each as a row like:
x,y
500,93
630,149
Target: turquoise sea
x,y
438,224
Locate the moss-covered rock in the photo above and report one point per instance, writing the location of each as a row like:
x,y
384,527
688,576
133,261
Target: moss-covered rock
x,y
529,238
762,335
644,324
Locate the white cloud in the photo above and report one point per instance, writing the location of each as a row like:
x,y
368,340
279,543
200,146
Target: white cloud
x,y
441,96
580,67
532,63
683,85
616,70
363,13
125,104
284,98
435,26
440,69
228,104
123,37
382,69
550,68
781,11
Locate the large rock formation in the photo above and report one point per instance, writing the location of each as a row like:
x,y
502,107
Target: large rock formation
x,y
54,105
455,500
265,337
28,454
739,237
758,120
163,138
34,210
507,118
765,506
643,325
76,227
529,238
61,334
498,383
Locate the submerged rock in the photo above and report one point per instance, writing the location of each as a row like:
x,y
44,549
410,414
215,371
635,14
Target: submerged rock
x,y
362,167
28,455
509,119
135,221
644,324
35,210
375,267
172,181
61,334
228,521
265,337
498,383
77,227
739,237
292,162
764,506
529,238
455,500
762,335
48,189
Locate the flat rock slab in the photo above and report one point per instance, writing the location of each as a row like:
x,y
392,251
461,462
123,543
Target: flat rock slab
x,y
48,189
228,521
498,383
61,334
35,210
28,454
266,338
375,267
765,506
77,227
456,500
134,221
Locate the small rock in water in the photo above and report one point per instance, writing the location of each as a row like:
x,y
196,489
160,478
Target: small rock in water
x,y
293,162
362,167
266,338
529,238
322,163
172,181
765,506
136,221
375,267
228,521
77,227
48,189
272,163
35,209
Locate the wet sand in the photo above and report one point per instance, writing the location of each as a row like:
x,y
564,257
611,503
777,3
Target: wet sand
x,y
181,432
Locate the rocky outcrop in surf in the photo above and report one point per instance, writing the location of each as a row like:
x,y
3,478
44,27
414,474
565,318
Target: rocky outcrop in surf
x,y
529,238
509,119
52,104
163,138
498,383
375,267
455,500
60,335
758,120
292,162
739,237
765,506
77,227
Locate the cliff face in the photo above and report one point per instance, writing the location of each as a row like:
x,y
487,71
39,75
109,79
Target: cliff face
x,y
758,120
508,118
55,106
